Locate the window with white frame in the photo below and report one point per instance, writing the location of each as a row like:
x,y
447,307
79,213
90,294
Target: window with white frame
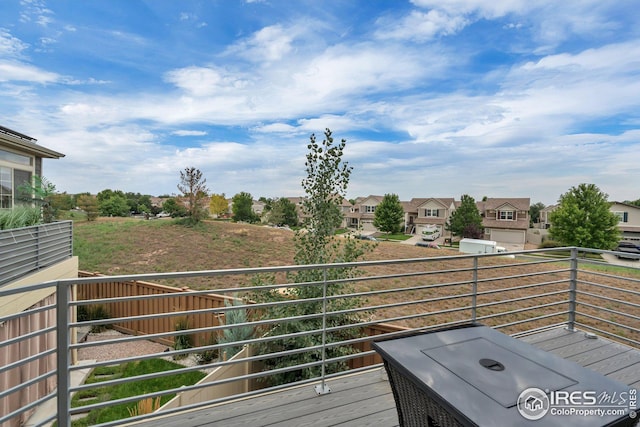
x,y
369,209
622,216
433,213
507,215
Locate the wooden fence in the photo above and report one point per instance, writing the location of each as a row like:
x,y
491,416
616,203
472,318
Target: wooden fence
x,y
184,300
178,299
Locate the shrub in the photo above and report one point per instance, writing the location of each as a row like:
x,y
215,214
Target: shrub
x,y
548,243
18,217
87,313
208,356
184,341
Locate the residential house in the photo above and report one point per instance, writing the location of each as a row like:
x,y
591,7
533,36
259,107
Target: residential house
x,y
420,212
345,209
505,220
629,219
362,213
30,255
20,160
543,221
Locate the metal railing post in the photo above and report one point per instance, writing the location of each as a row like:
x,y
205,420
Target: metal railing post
x,y
63,357
323,388
573,284
474,302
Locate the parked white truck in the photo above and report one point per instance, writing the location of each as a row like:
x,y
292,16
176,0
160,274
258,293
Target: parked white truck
x,y
430,232
477,246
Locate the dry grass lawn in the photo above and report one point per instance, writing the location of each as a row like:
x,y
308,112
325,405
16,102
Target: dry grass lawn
x,y
119,246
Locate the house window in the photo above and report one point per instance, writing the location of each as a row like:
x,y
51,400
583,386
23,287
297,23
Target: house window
x,y
369,209
20,159
12,182
622,216
506,215
431,213
6,188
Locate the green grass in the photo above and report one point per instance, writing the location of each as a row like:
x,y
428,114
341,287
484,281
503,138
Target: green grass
x,y
400,237
134,388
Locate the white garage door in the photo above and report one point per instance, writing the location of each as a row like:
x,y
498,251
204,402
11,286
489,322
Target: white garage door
x,y
508,236
368,226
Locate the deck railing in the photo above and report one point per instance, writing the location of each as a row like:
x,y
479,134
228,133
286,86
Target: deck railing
x,y
29,249
314,330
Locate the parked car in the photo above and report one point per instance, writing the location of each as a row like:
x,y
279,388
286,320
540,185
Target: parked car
x,y
628,248
365,237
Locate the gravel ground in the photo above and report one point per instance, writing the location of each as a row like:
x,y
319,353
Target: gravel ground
x,y
108,352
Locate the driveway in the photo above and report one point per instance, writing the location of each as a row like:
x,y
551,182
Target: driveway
x,y
612,259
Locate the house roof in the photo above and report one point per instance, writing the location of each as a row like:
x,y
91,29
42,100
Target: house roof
x,y
26,144
520,203
416,202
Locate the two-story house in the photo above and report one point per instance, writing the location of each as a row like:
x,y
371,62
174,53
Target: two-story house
x,y
421,212
628,220
505,220
362,213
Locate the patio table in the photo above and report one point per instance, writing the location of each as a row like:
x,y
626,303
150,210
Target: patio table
x,y
473,375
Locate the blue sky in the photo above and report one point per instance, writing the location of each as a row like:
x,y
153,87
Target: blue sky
x,y
436,98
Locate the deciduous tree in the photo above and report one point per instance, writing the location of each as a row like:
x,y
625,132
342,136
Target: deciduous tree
x,y
534,213
583,219
466,219
283,212
241,206
389,214
325,186
218,205
174,207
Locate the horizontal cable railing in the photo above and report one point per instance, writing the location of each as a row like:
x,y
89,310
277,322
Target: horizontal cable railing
x,y
259,329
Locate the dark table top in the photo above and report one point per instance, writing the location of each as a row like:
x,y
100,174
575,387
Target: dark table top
x,y
483,376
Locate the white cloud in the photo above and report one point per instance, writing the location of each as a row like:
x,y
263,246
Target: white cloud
x,y
269,44
189,133
422,26
205,81
10,46
36,11
19,72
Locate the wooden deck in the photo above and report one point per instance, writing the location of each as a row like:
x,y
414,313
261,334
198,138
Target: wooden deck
x,y
365,399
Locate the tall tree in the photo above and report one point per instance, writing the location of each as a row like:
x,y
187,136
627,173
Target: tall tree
x,y
283,212
218,205
389,214
89,204
534,213
325,186
174,207
192,185
466,220
583,219
241,206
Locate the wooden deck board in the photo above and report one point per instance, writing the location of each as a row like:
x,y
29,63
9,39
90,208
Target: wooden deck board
x,y
365,399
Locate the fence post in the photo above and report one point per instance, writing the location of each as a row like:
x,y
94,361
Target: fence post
x,y
573,284
63,356
474,291
323,388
